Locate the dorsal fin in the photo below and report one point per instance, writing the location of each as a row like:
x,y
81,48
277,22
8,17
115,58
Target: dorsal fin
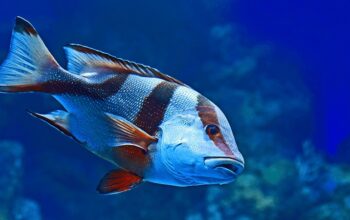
x,y
85,59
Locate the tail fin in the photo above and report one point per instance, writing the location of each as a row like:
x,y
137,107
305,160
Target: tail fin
x,y
29,63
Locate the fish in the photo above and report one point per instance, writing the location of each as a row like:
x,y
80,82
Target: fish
x,y
149,125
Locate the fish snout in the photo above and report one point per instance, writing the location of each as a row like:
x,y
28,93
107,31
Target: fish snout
x,y
228,165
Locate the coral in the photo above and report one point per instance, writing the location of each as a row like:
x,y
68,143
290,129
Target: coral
x,y
309,164
278,172
309,188
25,209
12,207
10,173
329,211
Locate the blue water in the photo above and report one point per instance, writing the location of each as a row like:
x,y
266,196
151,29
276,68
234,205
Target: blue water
x,y
278,69
317,34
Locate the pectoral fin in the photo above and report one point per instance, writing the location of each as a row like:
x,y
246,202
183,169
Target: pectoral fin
x,y
131,158
58,119
126,133
117,181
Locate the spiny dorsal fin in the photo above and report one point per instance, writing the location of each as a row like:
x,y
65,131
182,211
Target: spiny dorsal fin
x,y
117,181
126,133
58,119
85,59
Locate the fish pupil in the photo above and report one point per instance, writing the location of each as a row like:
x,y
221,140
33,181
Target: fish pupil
x,y
212,129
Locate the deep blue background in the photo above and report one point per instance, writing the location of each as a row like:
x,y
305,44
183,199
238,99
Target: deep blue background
x,y
317,34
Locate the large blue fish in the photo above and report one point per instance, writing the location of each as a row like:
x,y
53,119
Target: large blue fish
x,y
151,126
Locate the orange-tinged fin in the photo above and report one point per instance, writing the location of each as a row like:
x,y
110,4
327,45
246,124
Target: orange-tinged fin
x,y
58,119
117,181
131,158
126,133
28,63
85,59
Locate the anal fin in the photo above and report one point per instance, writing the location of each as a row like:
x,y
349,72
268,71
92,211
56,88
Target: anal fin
x,y
58,119
117,181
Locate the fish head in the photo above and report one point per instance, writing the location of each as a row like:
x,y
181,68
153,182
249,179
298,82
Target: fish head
x,y
198,148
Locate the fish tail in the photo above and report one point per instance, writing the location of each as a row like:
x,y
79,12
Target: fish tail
x,y
29,64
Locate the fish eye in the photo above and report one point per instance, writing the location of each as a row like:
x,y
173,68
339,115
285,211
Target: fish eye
x,y
212,129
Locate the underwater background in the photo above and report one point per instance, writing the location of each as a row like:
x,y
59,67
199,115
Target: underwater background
x,y
278,69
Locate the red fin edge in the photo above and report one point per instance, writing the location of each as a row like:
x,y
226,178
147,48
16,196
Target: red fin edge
x,y
117,181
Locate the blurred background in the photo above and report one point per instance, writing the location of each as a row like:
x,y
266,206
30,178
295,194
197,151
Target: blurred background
x,y
278,69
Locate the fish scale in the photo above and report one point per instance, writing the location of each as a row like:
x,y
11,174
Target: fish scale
x,y
130,97
183,100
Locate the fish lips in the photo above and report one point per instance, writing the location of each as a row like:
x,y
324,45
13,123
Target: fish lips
x,y
228,165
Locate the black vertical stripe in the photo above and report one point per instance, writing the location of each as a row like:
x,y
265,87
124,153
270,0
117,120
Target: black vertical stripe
x,y
154,107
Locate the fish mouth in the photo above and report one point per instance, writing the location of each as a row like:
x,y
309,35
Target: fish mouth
x,y
227,164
